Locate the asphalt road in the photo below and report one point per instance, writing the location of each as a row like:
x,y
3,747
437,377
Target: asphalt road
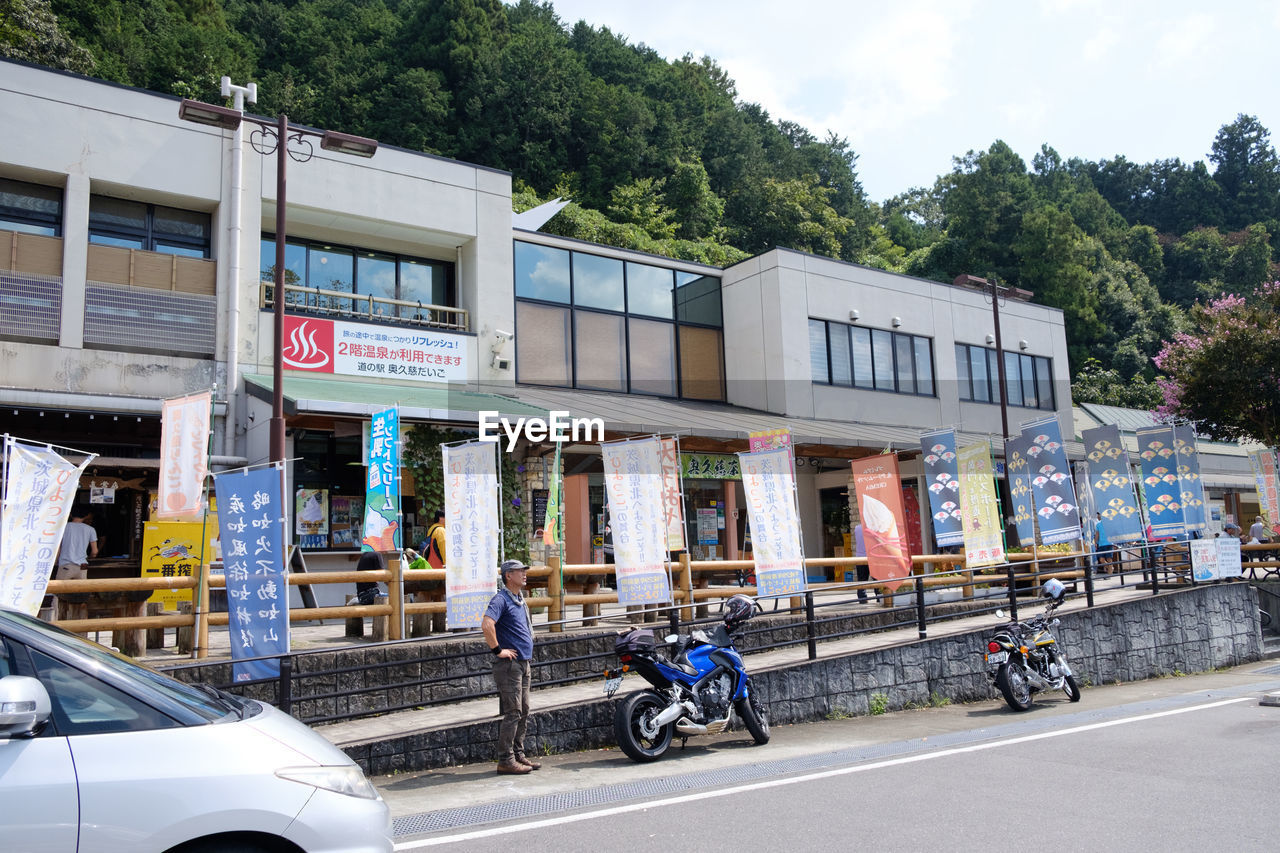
x,y
1185,763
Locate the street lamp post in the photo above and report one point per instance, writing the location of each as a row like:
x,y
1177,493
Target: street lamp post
x,y
275,137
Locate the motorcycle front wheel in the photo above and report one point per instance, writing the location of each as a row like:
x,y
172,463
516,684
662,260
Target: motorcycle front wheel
x,y
1013,683
633,725
1070,688
755,716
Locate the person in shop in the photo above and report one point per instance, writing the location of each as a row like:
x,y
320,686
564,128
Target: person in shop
x,y
79,545
370,561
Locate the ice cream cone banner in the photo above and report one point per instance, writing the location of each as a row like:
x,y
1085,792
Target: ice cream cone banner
x,y
878,487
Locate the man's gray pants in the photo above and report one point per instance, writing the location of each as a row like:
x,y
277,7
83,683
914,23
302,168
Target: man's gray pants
x,y
513,678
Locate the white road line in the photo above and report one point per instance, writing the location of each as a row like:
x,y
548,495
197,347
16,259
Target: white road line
x,y
793,780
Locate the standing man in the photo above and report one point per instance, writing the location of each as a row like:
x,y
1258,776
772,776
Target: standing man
x,y
860,550
508,631
79,543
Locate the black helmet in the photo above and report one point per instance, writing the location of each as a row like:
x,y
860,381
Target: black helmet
x,y
511,566
737,610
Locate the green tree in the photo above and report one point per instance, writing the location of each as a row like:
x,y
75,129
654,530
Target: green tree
x,y
29,31
696,207
1094,383
986,196
1225,377
1248,171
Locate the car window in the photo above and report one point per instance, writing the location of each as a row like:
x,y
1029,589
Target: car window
x,y
83,704
6,665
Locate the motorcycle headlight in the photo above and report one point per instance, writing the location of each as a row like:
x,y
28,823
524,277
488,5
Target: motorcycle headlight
x,y
347,780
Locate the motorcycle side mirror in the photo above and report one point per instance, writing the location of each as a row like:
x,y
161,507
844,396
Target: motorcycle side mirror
x,y
1000,614
671,638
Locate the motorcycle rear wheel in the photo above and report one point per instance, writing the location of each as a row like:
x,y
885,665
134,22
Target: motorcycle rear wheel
x,y
630,720
754,715
1072,689
1013,683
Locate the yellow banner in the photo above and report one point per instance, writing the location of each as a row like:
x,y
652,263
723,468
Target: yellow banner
x,y
172,549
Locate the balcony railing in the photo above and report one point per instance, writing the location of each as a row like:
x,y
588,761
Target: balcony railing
x,y
366,306
144,320
30,306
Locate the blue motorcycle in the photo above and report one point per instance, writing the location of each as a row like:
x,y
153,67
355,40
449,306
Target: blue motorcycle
x,y
698,681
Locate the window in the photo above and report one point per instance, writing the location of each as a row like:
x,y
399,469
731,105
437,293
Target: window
x,y
150,227
82,704
30,208
358,271
588,321
841,354
1028,379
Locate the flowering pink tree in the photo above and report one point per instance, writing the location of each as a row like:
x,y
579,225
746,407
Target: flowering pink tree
x,y
1226,375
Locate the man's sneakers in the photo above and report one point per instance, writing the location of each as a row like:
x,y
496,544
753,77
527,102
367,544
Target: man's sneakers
x,y
511,765
525,760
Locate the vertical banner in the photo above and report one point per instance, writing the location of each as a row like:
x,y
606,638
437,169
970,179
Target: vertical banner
x,y
1215,559
938,451
252,519
1018,464
979,508
184,455
471,523
672,495
1051,482
1264,475
1190,487
633,478
1110,484
769,485
1160,481
551,519
878,488
382,484
39,489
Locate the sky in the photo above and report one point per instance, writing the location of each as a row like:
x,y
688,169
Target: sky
x,y
913,84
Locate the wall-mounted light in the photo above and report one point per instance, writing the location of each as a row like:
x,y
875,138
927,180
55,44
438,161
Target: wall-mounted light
x,y
854,315
1023,344
896,321
991,339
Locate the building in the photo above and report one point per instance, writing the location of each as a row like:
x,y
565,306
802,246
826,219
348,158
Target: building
x,y
135,247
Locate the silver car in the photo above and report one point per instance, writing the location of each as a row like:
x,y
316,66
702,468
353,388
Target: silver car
x,y
101,755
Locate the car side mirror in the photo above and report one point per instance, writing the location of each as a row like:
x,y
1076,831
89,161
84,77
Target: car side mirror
x,y
24,706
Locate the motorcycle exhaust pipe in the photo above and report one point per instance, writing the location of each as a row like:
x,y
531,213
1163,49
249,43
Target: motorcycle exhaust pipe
x,y
685,726
673,712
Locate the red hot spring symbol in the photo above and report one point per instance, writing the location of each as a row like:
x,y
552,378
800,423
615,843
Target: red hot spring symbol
x,y
308,344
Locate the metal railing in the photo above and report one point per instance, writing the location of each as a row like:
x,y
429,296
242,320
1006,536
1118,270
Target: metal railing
x,y
366,306
140,318
30,305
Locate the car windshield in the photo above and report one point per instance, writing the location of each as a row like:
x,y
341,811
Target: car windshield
x,y
205,704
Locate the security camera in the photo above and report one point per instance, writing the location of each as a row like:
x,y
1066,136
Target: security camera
x,y
503,336
500,341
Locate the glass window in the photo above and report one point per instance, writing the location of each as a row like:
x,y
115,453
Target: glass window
x,y
1012,380
863,376
903,357
30,208
818,351
376,276
838,338
701,363
330,269
542,273
544,344
649,291
597,282
882,359
184,226
1044,382
425,282
1028,377
601,351
135,225
924,365
698,299
122,242
962,372
83,704
117,214
978,370
993,374
653,357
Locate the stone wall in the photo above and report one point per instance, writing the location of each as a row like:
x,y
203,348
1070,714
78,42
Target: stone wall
x,y
1190,630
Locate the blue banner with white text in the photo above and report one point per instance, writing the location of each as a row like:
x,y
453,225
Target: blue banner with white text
x,y
252,521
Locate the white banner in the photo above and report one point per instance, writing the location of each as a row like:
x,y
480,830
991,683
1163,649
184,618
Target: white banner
x,y
775,524
1216,559
633,479
471,523
184,455
38,493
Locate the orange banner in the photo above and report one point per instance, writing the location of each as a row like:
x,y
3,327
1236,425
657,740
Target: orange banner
x,y
184,455
879,491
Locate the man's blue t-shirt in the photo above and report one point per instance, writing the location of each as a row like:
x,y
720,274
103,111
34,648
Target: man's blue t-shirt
x,y
512,623
1103,540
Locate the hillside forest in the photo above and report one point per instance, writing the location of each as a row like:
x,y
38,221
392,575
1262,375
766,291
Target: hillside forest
x,y
662,156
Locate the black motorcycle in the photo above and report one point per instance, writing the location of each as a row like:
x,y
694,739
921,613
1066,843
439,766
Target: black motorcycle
x,y
1023,657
